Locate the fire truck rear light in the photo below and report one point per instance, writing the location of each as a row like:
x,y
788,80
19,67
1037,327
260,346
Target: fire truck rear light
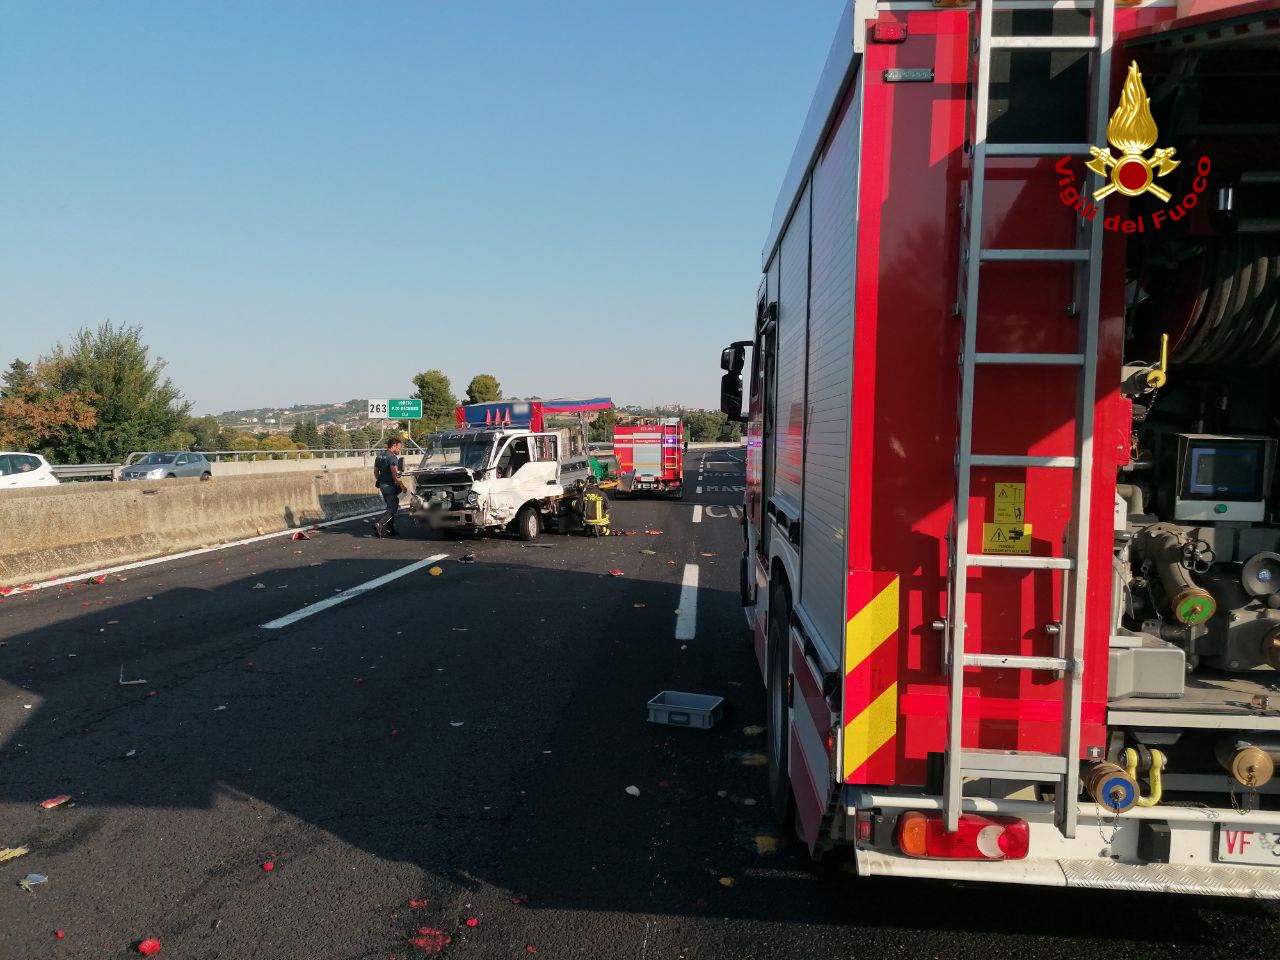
x,y
924,836
889,32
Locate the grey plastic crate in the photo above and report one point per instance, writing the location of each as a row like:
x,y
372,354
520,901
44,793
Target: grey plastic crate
x,y
697,710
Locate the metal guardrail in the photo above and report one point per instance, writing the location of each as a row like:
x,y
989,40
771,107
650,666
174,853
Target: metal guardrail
x,y
311,453
110,471
85,471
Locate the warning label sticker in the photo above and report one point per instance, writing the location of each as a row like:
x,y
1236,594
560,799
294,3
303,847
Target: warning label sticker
x,y
1011,499
1006,538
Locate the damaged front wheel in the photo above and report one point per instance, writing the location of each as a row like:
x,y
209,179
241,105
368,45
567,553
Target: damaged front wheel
x,y
528,525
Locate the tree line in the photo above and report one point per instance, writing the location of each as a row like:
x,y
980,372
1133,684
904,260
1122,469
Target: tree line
x,y
103,396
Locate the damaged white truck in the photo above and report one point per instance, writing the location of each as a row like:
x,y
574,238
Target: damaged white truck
x,y
505,472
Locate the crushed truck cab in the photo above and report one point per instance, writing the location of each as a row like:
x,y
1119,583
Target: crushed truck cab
x,y
508,473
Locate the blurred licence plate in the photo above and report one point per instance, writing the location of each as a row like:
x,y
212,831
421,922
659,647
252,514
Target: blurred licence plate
x,y
1248,846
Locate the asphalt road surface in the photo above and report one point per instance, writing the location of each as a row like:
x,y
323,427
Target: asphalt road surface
x,y
464,741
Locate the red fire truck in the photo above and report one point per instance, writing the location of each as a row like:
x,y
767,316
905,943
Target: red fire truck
x,y
650,454
1012,517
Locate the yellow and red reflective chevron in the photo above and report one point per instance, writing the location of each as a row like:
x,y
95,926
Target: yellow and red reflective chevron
x,y
871,679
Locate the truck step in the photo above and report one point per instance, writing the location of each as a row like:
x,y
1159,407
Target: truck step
x,y
1036,149
1044,43
1018,562
1013,764
1000,661
1002,460
1063,255
1031,359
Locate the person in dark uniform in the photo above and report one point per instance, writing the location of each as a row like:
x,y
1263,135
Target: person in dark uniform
x,y
386,474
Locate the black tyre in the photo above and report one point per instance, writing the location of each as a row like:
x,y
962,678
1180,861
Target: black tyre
x,y
172,476
779,719
528,524
206,475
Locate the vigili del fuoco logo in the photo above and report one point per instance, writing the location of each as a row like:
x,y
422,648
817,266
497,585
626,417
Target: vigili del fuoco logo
x,y
1132,131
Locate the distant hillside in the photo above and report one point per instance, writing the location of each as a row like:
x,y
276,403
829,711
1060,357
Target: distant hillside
x,y
299,411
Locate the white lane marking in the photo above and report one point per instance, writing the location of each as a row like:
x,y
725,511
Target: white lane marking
x,y
687,614
137,565
346,595
697,513
699,490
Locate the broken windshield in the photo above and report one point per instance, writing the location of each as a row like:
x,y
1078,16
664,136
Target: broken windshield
x,y
471,450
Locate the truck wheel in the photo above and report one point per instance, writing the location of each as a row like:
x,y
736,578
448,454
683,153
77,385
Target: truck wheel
x,y
528,525
779,720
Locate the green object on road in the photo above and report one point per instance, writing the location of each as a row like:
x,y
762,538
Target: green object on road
x,y
597,469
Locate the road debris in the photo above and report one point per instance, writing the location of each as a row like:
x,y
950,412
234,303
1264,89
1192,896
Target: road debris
x,y
124,682
430,940
520,899
12,853
754,730
59,934
30,880
472,921
435,571
148,947
301,535
467,558
418,904
708,554
654,533
766,844
633,791
129,754
268,866
456,723
259,586
221,707
616,573
753,760
638,606
57,801
99,579
727,881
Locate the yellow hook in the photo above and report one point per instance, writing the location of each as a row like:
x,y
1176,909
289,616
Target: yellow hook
x,y
1153,778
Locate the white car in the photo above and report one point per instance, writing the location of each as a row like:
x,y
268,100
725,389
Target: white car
x,y
25,470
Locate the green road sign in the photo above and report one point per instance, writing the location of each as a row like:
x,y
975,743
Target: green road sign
x,y
410,409
404,409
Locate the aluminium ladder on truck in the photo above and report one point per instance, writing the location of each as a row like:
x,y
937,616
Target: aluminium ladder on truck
x,y
1061,769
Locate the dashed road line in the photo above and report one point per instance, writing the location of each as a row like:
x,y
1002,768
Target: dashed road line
x,y
687,614
697,513
346,595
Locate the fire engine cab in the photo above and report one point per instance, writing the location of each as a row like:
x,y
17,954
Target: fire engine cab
x,y
1012,541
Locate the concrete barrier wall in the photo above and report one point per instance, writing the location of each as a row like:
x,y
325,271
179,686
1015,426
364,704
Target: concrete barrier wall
x,y
58,531
245,468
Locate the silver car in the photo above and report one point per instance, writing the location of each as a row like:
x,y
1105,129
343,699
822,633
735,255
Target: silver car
x,y
167,466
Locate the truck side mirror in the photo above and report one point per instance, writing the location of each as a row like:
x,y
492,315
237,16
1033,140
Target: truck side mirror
x,y
732,358
731,396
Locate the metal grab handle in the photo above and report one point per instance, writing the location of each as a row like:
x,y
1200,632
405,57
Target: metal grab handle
x,y
679,719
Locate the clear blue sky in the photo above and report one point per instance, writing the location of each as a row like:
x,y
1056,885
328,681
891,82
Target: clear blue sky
x,y
309,202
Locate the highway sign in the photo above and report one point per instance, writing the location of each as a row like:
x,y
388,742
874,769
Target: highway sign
x,y
410,409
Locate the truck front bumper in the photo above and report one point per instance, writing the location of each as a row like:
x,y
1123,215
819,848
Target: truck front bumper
x,y
1107,852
